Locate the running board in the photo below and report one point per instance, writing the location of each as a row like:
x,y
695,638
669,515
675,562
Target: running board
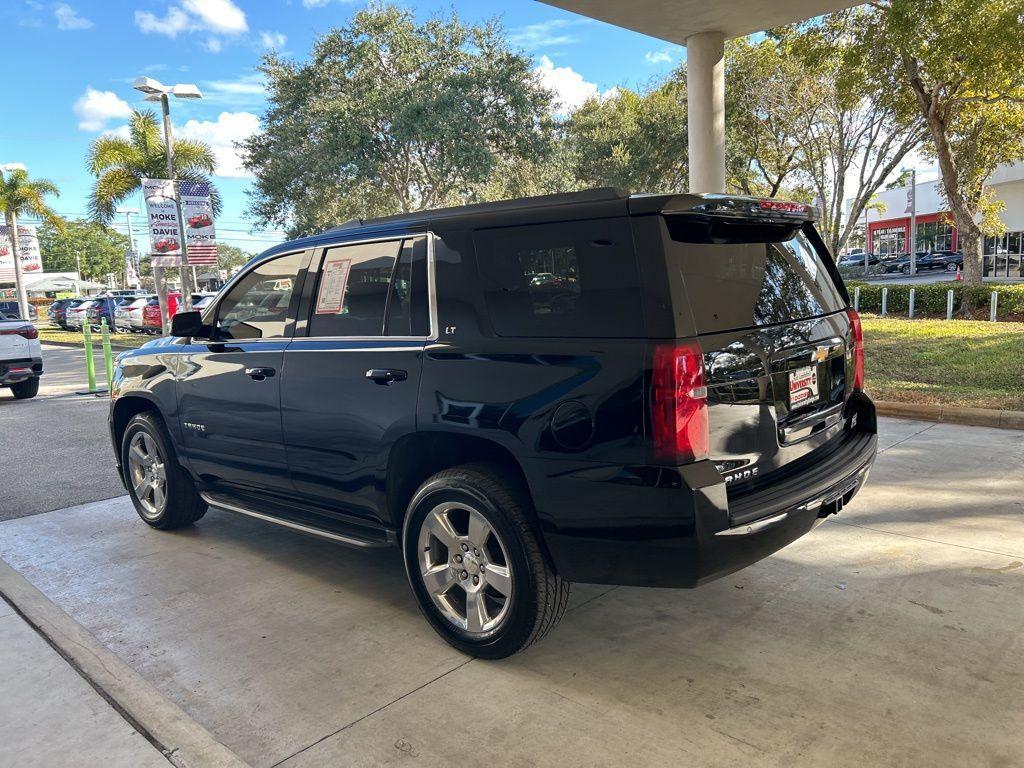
x,y
338,538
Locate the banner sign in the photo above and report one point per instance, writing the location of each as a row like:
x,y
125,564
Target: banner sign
x,y
164,228
197,210
28,250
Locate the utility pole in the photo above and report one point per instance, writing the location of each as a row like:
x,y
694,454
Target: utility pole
x,y
131,241
186,283
12,226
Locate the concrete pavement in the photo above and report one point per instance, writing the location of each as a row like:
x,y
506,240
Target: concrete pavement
x,y
891,635
51,716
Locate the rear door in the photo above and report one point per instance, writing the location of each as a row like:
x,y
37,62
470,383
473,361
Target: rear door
x,y
352,373
777,342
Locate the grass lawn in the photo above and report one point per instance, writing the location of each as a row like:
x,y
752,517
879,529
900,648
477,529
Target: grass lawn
x,y
970,363
116,339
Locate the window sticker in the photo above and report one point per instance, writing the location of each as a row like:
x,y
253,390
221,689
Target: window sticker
x,y
333,281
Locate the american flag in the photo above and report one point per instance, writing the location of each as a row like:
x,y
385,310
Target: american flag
x,y
202,248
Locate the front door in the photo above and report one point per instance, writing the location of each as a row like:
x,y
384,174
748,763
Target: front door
x,y
229,388
352,373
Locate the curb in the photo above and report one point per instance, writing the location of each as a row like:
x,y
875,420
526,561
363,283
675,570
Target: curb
x,y
183,741
972,417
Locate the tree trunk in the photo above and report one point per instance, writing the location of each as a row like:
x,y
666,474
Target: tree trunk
x,y
12,229
970,244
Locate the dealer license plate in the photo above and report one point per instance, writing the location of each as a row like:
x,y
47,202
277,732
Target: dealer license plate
x,y
803,386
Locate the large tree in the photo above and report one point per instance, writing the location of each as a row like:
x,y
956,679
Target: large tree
x,y
120,164
20,195
635,141
961,62
391,115
96,247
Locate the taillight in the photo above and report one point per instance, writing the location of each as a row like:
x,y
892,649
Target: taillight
x,y
679,403
28,331
857,332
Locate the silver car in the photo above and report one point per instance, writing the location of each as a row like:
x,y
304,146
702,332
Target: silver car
x,y
128,316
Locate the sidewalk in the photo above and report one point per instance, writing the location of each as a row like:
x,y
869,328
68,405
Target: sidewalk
x,y
50,716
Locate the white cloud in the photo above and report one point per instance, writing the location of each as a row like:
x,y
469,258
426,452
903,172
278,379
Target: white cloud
x,y
219,16
248,92
174,22
664,56
272,39
68,18
221,134
545,34
569,87
315,3
213,45
94,108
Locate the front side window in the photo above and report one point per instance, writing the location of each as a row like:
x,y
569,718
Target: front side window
x,y
257,306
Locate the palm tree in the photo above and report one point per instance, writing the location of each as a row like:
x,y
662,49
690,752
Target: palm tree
x,y
120,164
18,195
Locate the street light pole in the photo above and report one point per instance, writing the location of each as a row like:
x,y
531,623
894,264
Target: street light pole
x,y
913,221
156,91
131,241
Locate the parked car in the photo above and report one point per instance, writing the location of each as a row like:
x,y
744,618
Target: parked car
x,y
151,313
166,244
128,316
951,260
199,221
201,301
21,356
77,314
923,262
56,311
857,260
670,422
10,307
105,308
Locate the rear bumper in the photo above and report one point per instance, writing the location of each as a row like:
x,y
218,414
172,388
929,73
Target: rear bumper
x,y
673,527
16,371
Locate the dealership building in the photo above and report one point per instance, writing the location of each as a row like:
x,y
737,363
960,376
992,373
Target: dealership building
x,y
889,229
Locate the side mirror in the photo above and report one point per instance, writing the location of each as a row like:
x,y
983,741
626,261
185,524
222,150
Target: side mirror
x,y
189,324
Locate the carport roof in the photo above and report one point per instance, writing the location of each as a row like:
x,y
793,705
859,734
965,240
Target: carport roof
x,y
676,20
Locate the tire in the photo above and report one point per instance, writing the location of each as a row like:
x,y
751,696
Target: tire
x,y
23,390
181,504
526,599
951,267
905,270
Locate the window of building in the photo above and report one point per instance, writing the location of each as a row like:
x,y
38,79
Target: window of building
x,y
889,241
372,289
257,306
572,279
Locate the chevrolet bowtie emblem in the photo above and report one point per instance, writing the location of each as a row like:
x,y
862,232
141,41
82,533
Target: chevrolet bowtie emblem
x,y
819,354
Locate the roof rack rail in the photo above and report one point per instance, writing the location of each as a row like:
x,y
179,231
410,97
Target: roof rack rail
x,y
560,198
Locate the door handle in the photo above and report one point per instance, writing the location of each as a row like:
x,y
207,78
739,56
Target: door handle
x,y
259,374
386,376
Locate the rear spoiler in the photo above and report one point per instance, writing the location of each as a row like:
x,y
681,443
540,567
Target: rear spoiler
x,y
767,210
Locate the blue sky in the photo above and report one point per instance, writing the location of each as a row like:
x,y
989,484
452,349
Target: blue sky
x,y
75,61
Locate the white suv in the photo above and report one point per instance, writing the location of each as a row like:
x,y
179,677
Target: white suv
x,y
21,357
128,316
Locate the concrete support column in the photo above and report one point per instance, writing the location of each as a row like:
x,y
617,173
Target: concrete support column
x,y
705,87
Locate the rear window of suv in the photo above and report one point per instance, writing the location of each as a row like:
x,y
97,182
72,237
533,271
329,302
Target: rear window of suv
x,y
743,275
573,279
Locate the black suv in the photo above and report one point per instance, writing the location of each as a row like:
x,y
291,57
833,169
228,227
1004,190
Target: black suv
x,y
651,390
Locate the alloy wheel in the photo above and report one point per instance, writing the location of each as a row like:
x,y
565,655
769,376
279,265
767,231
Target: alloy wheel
x,y
148,475
465,568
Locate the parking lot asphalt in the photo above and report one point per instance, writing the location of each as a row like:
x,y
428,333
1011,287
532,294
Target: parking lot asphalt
x,y
54,449
891,635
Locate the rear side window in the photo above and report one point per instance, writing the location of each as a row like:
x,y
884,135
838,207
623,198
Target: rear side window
x,y
571,279
372,289
746,275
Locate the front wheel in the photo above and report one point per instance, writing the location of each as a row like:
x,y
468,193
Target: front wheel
x,y
951,267
476,565
162,492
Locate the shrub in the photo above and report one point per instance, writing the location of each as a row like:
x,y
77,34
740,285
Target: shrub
x,y
969,301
